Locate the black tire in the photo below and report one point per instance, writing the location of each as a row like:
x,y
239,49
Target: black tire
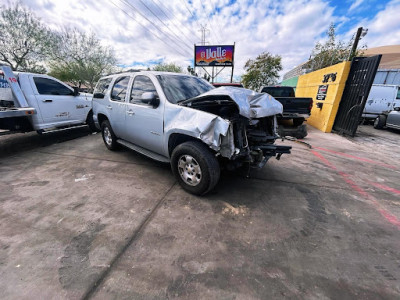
x,y
380,122
194,156
90,122
298,122
109,138
301,132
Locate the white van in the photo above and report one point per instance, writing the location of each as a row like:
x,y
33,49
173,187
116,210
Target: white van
x,y
381,99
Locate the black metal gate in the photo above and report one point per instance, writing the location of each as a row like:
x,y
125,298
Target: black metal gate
x,y
355,94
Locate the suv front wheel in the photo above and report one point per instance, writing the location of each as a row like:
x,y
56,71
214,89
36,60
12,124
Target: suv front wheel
x,y
195,167
109,137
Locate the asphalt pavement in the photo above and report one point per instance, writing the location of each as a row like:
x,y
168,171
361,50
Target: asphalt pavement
x,y
80,222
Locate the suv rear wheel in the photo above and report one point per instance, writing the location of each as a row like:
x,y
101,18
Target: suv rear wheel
x,y
195,167
109,137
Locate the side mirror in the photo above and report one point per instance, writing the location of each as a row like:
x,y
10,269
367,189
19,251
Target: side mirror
x,y
151,99
76,91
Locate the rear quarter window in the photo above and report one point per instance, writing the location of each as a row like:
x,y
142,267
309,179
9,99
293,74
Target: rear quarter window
x,y
101,88
279,91
120,89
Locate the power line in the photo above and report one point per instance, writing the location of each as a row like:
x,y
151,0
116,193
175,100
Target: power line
x,y
218,27
173,19
155,26
187,7
184,2
178,38
152,33
209,22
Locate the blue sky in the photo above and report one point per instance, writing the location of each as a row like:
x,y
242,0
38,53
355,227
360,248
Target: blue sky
x,y
356,11
144,32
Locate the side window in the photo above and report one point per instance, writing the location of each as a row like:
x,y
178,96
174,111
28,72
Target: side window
x,y
47,86
398,93
141,84
120,88
101,88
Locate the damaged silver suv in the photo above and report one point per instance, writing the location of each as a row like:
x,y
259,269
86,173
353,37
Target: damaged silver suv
x,y
185,121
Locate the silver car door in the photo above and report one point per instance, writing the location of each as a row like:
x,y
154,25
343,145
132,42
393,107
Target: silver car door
x,y
117,105
144,122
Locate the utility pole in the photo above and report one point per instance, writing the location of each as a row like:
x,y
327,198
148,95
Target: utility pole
x,y
360,34
203,30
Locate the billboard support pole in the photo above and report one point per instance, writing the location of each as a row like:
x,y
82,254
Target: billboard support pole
x,y
219,71
233,63
206,71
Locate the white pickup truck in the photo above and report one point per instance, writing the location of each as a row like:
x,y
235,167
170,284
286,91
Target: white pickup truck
x,y
40,102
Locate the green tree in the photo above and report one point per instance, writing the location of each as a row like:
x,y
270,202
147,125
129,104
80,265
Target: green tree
x,y
80,58
264,70
171,67
332,51
24,41
191,71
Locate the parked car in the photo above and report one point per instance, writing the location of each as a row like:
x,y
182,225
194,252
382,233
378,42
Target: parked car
x,y
389,120
183,120
30,101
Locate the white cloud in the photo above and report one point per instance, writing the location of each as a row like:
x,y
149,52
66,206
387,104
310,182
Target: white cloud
x,y
383,28
289,28
355,4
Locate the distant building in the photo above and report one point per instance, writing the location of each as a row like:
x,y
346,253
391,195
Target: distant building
x,y
390,56
389,68
297,71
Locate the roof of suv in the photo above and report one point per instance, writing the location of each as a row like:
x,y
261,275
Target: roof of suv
x,y
145,73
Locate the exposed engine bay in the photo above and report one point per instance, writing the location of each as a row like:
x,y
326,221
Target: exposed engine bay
x,y
254,137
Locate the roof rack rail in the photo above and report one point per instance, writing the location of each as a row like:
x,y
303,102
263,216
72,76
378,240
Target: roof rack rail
x,y
126,71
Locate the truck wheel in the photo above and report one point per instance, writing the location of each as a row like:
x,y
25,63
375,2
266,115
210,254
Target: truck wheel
x,y
298,122
109,137
195,167
301,132
90,122
380,122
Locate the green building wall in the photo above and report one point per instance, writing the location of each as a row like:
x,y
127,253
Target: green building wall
x,y
290,82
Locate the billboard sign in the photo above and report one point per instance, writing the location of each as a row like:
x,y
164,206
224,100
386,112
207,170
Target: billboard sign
x,y
213,56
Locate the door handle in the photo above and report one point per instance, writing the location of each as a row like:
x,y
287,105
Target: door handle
x,y
109,107
131,112
47,100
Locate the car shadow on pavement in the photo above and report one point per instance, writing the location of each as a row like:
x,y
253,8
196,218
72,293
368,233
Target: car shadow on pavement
x,y
13,144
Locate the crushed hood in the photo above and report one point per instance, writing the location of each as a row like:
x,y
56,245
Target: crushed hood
x,y
251,104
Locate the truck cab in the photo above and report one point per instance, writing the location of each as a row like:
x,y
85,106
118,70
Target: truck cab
x,y
38,102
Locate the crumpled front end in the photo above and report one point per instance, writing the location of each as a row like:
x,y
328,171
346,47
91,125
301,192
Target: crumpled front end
x,y
239,124
213,130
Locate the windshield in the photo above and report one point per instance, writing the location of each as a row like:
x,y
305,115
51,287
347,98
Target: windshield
x,y
178,88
